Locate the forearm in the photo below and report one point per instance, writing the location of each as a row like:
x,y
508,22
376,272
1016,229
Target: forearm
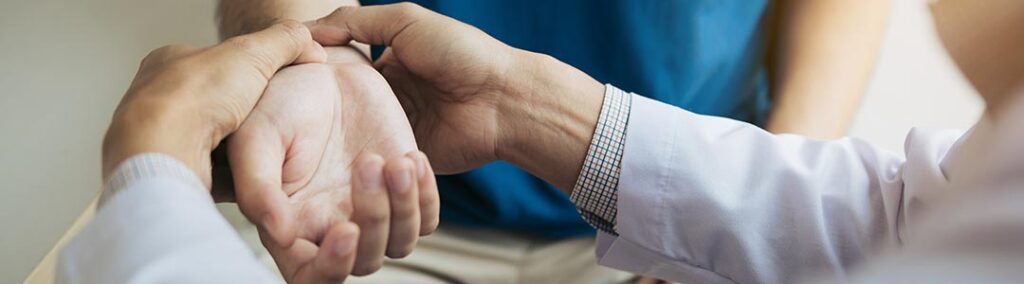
x,y
695,169
156,218
699,193
549,119
238,17
822,60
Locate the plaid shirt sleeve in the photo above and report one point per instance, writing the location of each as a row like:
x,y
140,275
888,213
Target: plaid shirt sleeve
x,y
596,191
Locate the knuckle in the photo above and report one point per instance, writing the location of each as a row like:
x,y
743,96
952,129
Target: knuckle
x,y
408,12
170,50
403,212
398,166
408,8
377,218
165,53
249,49
429,199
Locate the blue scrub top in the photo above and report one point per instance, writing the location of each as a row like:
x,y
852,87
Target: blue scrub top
x,y
706,56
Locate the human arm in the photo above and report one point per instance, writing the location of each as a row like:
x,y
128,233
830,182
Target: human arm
x,y
821,58
157,216
238,17
158,223
958,244
541,115
705,199
292,157
324,120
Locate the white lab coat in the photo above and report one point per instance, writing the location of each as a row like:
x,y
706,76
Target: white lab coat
x,y
701,200
160,228
707,200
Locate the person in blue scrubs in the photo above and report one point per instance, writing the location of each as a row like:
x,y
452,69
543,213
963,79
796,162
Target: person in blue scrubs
x,y
789,66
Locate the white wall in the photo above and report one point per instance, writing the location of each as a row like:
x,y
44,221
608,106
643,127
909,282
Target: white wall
x,y
915,83
64,65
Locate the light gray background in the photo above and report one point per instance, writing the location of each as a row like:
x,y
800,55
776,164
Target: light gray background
x,y
64,65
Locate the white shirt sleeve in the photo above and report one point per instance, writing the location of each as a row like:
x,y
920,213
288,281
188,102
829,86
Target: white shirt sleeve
x,y
711,200
972,238
159,227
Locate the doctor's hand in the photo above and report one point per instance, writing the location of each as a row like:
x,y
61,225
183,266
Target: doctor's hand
x,y
472,99
328,144
184,101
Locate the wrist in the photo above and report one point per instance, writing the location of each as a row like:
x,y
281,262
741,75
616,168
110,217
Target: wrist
x,y
238,17
352,53
547,118
159,126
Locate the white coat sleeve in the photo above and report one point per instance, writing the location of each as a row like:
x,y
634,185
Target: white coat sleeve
x,y
159,228
708,200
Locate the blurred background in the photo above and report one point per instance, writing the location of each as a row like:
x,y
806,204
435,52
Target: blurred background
x,y
65,64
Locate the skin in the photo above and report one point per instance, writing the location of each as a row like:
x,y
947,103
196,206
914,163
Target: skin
x,y
986,51
472,99
802,78
495,102
210,92
821,61
988,54
510,95
321,122
293,155
537,112
165,84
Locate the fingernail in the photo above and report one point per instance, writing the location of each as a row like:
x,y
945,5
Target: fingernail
x,y
402,181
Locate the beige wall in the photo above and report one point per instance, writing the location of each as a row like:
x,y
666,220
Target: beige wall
x,y
64,64
915,83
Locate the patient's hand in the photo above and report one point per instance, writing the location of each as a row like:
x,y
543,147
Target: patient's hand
x,y
328,144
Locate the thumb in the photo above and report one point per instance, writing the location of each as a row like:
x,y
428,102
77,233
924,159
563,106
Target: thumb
x,y
241,67
377,25
268,50
256,155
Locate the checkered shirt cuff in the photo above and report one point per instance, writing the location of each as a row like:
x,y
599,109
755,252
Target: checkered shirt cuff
x,y
143,166
596,190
